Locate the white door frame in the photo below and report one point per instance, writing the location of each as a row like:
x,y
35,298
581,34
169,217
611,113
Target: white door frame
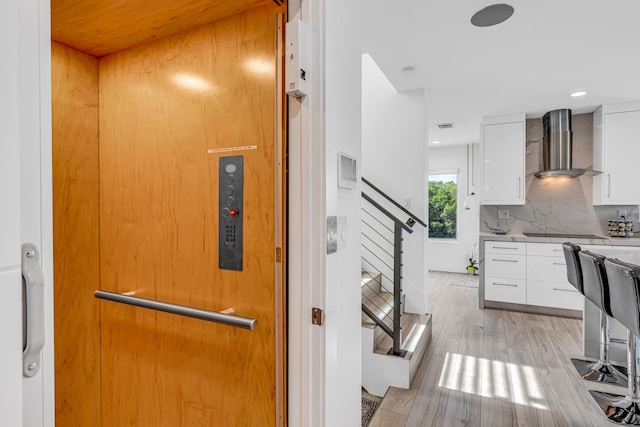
x,y
36,210
306,234
10,276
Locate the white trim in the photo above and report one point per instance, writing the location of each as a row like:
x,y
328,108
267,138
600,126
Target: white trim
x,y
306,267
36,188
443,240
316,227
297,384
444,172
10,254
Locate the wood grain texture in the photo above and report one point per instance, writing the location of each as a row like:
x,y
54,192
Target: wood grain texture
x,y
281,223
497,390
74,81
543,347
399,400
163,106
431,400
103,27
384,418
515,332
516,366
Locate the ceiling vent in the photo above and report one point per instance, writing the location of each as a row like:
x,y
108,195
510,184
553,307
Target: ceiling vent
x,y
445,125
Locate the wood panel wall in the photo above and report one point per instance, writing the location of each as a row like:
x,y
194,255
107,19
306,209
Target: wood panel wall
x,y
168,111
75,232
103,27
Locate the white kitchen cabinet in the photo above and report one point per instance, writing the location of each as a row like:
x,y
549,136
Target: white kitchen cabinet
x,y
507,266
616,149
505,270
547,283
502,169
508,248
505,290
530,274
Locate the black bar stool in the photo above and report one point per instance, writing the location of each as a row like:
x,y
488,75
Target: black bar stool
x,y
624,293
602,370
596,290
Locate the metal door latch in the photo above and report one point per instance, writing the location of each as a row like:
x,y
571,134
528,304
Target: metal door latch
x,y
33,323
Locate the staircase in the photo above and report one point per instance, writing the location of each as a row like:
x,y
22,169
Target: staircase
x,y
380,368
393,342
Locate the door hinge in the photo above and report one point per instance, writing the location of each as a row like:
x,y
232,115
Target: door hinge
x,y
278,254
316,316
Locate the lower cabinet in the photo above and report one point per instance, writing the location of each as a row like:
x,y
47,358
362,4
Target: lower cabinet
x,y
554,294
505,269
505,290
547,284
536,276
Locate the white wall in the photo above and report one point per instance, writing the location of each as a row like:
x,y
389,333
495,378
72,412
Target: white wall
x,y
452,255
343,47
393,141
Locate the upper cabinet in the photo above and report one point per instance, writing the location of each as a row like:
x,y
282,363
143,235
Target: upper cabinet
x,y
502,158
616,149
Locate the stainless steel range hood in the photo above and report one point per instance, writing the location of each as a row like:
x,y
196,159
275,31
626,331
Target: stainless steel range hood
x,y
557,147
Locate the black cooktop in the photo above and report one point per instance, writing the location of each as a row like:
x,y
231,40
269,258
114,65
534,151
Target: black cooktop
x,y
564,235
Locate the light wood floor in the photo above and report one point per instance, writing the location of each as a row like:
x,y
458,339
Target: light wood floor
x,y
493,368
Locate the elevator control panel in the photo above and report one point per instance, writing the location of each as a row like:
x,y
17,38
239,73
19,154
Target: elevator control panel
x,y
230,212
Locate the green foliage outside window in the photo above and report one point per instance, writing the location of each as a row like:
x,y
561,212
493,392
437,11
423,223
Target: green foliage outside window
x,y
442,209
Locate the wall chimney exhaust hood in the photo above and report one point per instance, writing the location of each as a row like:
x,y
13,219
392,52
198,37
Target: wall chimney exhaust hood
x,y
557,147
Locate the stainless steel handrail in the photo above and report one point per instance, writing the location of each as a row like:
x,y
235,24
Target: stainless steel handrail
x,y
180,310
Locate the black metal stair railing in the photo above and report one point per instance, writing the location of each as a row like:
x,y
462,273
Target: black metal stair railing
x,y
382,237
412,218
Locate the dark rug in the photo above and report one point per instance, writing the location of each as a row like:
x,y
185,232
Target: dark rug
x,y
368,409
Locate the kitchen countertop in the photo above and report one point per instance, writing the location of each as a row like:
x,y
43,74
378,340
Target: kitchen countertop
x,y
518,237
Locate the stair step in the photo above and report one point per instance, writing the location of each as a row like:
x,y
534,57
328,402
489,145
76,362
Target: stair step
x,y
381,304
412,325
382,370
371,280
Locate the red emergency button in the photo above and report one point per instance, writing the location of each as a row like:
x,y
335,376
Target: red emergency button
x,y
233,212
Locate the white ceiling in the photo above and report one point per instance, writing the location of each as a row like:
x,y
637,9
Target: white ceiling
x,y
528,64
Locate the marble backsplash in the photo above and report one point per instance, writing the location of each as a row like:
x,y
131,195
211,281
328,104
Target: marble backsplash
x,y
557,205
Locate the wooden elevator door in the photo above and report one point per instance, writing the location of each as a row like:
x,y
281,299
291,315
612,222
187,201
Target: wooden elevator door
x,y
168,111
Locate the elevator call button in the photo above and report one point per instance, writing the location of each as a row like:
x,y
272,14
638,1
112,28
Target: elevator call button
x,y
230,220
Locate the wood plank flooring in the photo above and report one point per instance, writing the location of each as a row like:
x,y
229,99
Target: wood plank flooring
x,y
493,368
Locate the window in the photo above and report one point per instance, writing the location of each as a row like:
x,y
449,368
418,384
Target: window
x,y
443,206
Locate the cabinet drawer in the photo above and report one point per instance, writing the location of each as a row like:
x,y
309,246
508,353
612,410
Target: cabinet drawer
x,y
547,269
512,248
505,266
505,290
550,294
545,249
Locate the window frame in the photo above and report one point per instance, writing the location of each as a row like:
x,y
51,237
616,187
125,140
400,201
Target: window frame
x,y
456,173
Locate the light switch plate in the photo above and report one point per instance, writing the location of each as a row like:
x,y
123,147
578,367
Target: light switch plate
x,y
332,234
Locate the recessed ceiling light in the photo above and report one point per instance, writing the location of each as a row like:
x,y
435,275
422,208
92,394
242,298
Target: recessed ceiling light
x,y
578,93
492,15
408,71
436,142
